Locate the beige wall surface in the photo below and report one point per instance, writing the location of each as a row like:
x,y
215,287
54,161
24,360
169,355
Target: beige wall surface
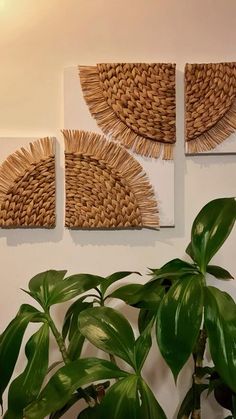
x,y
38,39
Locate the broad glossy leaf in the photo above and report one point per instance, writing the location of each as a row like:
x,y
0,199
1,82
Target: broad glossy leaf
x,y
175,268
70,325
144,318
42,285
121,400
211,228
143,345
150,408
76,345
25,388
218,272
179,320
109,280
10,343
142,296
67,380
220,322
108,330
60,413
72,287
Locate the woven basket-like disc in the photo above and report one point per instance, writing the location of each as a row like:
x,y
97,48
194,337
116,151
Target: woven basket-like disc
x,y
209,97
105,186
27,187
133,102
31,200
97,197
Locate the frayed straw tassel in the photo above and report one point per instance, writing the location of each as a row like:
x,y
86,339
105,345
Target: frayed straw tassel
x,y
109,121
100,176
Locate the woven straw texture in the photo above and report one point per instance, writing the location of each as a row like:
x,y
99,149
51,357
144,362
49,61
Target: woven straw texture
x,y
210,106
105,186
27,187
134,104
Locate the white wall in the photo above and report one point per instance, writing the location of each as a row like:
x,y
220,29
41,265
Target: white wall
x,y
37,40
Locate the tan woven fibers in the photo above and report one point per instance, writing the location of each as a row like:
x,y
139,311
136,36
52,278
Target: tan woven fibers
x,y
105,186
27,187
210,105
134,103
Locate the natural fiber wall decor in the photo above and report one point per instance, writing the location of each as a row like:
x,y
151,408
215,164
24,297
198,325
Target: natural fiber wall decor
x,y
27,186
210,105
105,186
134,104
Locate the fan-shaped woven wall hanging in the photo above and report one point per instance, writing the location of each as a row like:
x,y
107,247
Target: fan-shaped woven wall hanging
x,y
210,105
134,104
105,186
27,187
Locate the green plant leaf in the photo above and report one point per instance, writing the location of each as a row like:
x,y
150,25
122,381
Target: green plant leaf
x,y
59,413
76,345
144,318
220,322
42,285
142,296
72,287
25,388
70,325
121,400
211,228
150,408
179,320
66,381
109,280
218,272
143,345
108,330
10,343
175,268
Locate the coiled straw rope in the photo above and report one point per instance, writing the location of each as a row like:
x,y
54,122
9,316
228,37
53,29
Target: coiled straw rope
x,y
210,105
134,103
27,187
105,186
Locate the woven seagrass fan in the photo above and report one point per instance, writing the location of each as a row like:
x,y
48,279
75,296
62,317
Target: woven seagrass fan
x,y
210,105
134,104
105,186
27,187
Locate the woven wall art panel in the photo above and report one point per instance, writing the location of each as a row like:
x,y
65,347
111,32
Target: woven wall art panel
x,y
27,186
210,105
105,187
134,104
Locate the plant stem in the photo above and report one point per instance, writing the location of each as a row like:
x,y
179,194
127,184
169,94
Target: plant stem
x,y
198,363
58,337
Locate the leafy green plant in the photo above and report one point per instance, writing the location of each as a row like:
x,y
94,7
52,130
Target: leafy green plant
x,y
176,303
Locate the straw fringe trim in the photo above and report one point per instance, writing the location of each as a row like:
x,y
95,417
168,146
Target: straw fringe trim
x,y
110,124
18,163
216,135
116,157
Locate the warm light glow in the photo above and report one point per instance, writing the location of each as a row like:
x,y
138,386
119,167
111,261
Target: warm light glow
x,y
2,4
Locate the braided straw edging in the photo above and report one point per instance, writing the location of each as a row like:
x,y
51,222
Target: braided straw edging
x,y
18,163
110,124
116,157
216,135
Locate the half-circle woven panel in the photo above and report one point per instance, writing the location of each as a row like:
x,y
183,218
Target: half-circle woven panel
x,y
105,186
27,187
134,104
210,105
